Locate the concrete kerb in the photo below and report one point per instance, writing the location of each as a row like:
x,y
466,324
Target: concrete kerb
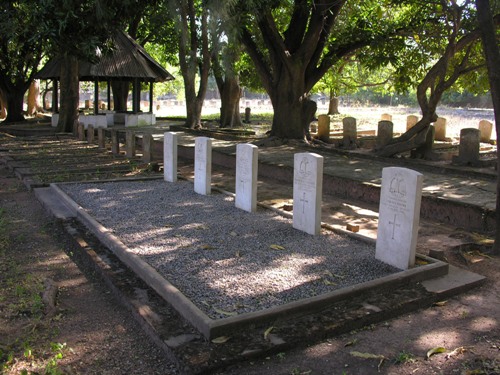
x,y
211,328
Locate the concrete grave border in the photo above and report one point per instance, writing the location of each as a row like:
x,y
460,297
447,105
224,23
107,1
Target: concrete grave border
x,y
211,328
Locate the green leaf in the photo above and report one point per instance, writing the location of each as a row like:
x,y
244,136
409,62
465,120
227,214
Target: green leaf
x,y
436,350
276,247
267,332
232,313
221,340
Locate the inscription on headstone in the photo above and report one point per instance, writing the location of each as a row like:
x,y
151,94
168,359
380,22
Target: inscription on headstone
x,y
307,192
202,165
246,177
399,214
170,156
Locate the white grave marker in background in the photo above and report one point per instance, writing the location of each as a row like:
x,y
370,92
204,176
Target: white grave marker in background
x,y
202,165
399,214
170,156
307,192
246,177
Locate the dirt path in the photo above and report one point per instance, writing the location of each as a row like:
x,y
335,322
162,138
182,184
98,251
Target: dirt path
x,y
88,332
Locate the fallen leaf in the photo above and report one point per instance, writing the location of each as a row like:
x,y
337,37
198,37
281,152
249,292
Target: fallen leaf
x,y
440,303
228,313
207,247
367,355
456,351
234,234
328,282
351,343
277,247
380,357
436,350
267,332
221,340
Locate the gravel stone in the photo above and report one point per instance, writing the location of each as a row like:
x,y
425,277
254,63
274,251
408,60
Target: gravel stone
x,y
219,256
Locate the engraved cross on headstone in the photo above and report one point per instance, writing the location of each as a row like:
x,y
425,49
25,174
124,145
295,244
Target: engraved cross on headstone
x,y
304,201
394,225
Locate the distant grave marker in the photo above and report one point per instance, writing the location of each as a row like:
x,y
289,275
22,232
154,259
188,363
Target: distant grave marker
x,y
170,156
307,192
90,134
202,165
384,133
324,128
411,121
115,144
147,147
440,126
385,117
101,138
246,177
485,128
468,149
130,144
350,133
399,215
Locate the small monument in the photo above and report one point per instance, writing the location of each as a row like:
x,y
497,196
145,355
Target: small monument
x,y
90,134
385,117
411,121
468,149
307,192
485,128
324,128
170,156
147,147
440,126
101,138
350,133
385,133
115,144
203,165
130,144
81,131
246,177
399,216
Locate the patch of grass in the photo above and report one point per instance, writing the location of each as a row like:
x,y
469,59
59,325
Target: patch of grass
x,y
404,357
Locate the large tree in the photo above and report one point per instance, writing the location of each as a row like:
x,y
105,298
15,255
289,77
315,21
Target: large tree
x,y
75,30
294,43
20,53
451,42
194,54
492,52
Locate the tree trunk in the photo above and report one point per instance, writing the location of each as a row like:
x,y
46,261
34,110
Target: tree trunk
x,y
492,52
3,104
120,95
293,111
333,106
68,113
34,98
230,103
15,100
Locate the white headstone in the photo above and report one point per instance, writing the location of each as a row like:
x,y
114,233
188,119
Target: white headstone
x,y
307,192
246,177
202,165
170,156
399,215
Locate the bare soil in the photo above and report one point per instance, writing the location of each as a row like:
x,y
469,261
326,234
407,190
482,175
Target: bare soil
x,y
88,332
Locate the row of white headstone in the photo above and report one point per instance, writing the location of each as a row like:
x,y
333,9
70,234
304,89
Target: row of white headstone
x,y
400,197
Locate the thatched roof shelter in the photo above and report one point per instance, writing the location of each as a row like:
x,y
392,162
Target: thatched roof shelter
x,y
126,61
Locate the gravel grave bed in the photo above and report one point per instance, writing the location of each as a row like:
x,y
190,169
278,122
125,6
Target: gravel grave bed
x,y
226,260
